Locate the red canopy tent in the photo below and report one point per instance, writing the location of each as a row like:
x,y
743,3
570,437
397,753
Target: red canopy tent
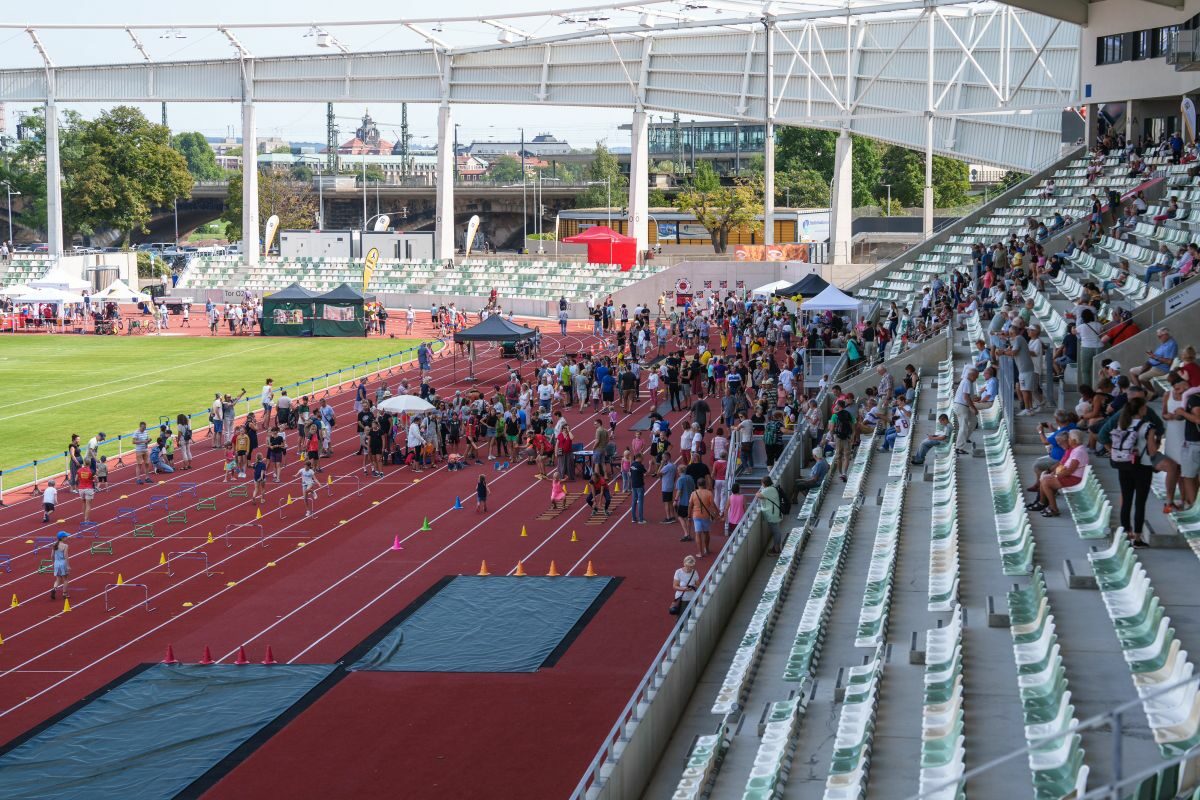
x,y
606,246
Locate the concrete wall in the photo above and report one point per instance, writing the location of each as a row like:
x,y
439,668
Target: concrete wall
x,y
78,266
1132,79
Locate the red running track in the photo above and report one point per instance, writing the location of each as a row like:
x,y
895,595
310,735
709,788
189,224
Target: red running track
x,y
442,735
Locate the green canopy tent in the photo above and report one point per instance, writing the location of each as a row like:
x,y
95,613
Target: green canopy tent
x,y
340,312
289,312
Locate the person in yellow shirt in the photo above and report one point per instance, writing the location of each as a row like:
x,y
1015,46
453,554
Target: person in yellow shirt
x,y
705,357
241,446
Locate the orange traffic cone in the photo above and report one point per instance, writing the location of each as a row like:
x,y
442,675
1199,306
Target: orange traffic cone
x,y
591,573
483,570
241,658
520,573
553,573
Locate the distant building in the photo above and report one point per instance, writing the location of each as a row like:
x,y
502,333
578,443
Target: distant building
x,y
366,141
471,168
542,145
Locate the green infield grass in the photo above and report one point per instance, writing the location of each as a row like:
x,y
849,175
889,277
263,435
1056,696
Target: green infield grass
x,y
53,386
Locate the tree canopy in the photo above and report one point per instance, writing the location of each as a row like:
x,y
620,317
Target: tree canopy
x,y
904,169
505,169
277,194
201,160
603,166
116,169
720,208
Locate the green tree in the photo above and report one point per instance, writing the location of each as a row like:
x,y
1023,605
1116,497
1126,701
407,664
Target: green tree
x,y
808,149
201,160
904,170
302,172
719,208
293,201
802,188
282,148
1011,179
868,169
951,182
657,198
116,169
505,169
603,167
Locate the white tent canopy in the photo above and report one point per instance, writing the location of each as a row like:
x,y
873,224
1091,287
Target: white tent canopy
x,y
119,292
13,291
405,404
769,289
831,299
48,295
56,278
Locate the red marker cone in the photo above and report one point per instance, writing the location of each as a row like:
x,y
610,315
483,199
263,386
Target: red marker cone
x,y
170,658
270,657
208,659
396,543
241,659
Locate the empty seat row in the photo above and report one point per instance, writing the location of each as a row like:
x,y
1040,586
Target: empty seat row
x,y
1013,531
859,467
942,740
774,751
943,539
855,732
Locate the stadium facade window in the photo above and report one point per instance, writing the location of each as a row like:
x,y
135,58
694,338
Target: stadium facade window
x,y
1116,48
1141,45
1108,49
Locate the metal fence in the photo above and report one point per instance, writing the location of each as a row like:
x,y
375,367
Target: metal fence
x,y
30,474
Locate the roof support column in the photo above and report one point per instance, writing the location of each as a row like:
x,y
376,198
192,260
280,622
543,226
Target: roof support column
x,y
927,205
250,240
639,180
54,215
443,237
769,134
841,200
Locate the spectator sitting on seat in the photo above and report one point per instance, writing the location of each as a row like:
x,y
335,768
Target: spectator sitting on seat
x,y
990,390
1067,474
1139,203
816,474
1171,213
1118,281
1067,352
1161,263
982,354
1124,328
940,436
1064,421
1125,224
1158,361
1185,267
1058,221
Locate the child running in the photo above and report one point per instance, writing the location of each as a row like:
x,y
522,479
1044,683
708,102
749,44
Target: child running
x,y
308,485
481,493
260,479
558,493
277,450
62,567
49,499
230,465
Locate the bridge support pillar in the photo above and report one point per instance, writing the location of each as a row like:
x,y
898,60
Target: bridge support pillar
x,y
54,216
639,181
443,236
842,196
249,185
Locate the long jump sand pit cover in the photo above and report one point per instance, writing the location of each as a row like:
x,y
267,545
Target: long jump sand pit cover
x,y
488,624
155,733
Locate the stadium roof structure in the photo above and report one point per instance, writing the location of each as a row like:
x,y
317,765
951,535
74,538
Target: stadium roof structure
x,y
862,65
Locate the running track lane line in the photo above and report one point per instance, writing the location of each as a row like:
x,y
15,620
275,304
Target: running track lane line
x,y
277,487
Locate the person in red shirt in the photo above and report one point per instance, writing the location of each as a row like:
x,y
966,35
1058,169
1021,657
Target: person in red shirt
x,y
313,448
1189,367
541,452
597,488
1121,331
86,482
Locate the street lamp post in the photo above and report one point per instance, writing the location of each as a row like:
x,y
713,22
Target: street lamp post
x,y
889,205
8,186
175,205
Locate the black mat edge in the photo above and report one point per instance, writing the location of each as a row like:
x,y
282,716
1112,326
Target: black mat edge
x,y
584,618
356,653
20,739
235,757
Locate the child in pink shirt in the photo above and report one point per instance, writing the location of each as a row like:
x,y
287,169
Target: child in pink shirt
x,y
558,493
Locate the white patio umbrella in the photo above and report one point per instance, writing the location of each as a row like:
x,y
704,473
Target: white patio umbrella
x,y
405,404
120,292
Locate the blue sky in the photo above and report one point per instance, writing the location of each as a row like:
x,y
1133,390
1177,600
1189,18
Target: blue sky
x,y
581,127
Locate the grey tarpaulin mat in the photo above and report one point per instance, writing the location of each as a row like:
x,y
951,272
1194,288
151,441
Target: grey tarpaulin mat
x,y
486,624
154,734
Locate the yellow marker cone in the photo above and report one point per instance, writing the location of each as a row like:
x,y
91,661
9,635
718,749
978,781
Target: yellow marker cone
x,y
187,604
162,559
329,481
523,533
574,537
15,602
289,502
1,640
301,544
210,539
553,573
591,573
483,570
66,605
270,563
374,502
616,487
123,497
520,573
120,580
231,584
258,514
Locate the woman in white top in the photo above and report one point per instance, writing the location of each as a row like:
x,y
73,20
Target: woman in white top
x,y
685,440
685,583
1174,402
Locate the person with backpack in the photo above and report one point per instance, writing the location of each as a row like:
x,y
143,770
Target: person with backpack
x,y
702,508
842,425
771,504
1132,453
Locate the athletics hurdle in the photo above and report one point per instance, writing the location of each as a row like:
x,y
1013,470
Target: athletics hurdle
x,y
42,543
350,476
159,502
143,531
207,504
262,536
241,490
98,548
177,554
6,563
188,487
108,606
177,517
89,528
127,512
